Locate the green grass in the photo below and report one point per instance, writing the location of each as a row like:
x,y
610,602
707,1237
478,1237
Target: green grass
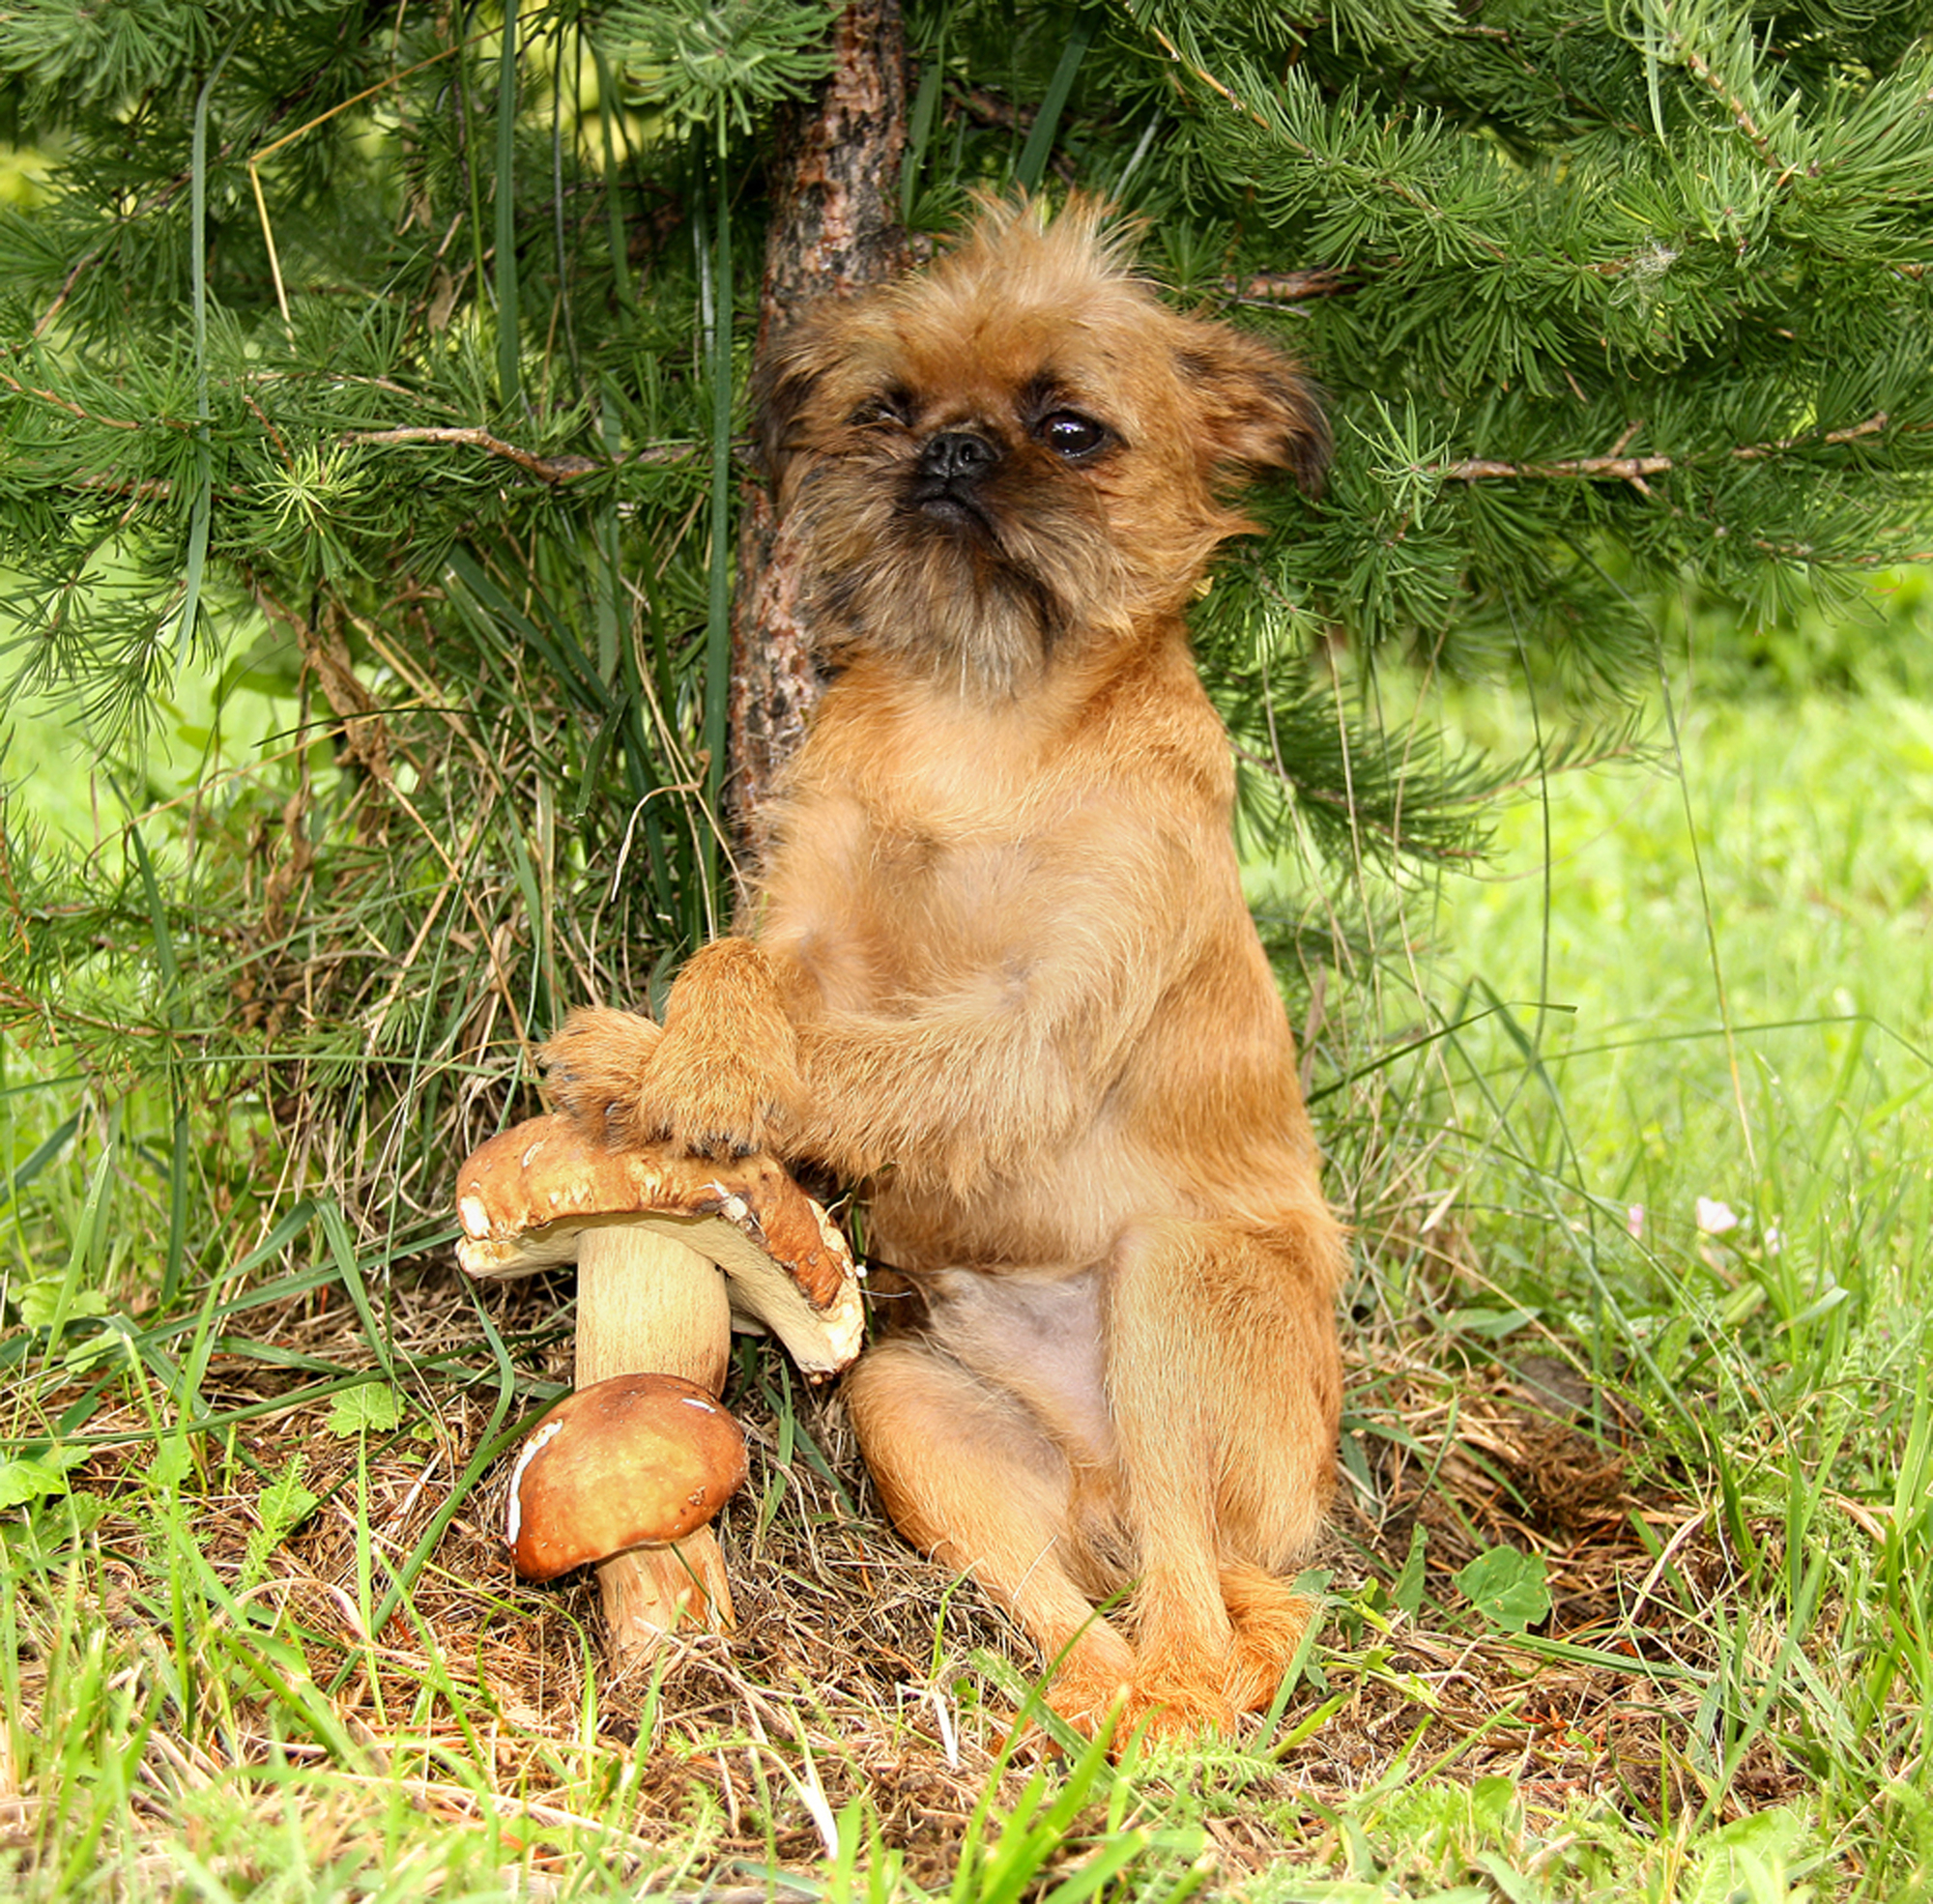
x,y
1726,995
253,1644
1692,1140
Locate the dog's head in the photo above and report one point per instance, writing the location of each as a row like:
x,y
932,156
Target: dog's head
x,y
1021,452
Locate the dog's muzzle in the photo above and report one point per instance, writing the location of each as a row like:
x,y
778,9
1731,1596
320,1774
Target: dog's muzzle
x,y
948,473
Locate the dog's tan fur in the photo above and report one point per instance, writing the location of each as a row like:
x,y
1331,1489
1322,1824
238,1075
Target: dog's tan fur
x,y
1003,975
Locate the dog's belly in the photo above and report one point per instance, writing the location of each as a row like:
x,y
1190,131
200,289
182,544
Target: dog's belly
x,y
1037,1335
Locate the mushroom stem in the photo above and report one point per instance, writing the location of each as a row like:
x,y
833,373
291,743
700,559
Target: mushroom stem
x,y
645,1304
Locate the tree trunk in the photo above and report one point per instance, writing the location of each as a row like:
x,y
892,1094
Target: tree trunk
x,y
835,229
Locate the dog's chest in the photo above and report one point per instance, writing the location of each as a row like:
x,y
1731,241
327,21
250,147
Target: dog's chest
x,y
885,915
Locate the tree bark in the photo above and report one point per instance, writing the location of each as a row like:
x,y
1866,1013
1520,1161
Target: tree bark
x,y
835,229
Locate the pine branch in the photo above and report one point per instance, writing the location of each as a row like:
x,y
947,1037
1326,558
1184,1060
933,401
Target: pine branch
x,y
1740,112
1289,287
546,468
1618,468
71,408
262,153
1737,107
1385,829
157,201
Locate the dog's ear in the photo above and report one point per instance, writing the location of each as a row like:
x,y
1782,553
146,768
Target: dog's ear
x,y
793,367
1254,410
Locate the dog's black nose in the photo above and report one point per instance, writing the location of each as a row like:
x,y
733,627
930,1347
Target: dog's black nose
x,y
957,455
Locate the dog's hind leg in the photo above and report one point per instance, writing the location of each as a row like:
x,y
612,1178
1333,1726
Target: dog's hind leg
x,y
972,1477
1269,1618
1223,1384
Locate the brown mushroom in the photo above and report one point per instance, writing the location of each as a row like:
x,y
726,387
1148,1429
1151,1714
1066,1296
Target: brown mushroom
x,y
671,1252
635,1461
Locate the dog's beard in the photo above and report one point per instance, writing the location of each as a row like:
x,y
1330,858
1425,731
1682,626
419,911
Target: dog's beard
x,y
984,589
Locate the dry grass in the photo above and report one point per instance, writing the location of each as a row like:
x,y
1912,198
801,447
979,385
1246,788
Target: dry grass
x,y
858,1672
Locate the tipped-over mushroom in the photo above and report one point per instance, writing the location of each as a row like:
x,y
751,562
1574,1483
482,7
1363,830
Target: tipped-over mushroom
x,y
671,1252
536,1192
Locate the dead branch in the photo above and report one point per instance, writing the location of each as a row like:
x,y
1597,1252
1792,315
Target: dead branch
x,y
546,468
1288,287
1616,467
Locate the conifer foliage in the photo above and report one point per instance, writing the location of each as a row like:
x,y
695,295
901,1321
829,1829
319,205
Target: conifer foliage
x,y
385,356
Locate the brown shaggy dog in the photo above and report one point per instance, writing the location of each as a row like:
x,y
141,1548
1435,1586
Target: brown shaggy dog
x,y
1002,975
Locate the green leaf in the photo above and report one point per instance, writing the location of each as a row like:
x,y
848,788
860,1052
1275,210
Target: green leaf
x,y
173,1461
285,1503
41,1305
1507,1587
1752,1858
33,1476
374,1408
1407,1592
282,1507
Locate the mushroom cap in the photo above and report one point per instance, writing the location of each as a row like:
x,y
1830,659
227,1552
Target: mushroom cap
x,y
527,1196
632,1462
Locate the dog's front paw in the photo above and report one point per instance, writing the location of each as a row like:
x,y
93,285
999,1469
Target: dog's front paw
x,y
599,1066
722,1102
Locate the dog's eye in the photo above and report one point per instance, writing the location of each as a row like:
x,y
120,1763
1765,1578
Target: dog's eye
x,y
892,409
1068,433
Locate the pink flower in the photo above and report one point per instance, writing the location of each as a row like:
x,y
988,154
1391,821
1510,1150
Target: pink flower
x,y
1716,1218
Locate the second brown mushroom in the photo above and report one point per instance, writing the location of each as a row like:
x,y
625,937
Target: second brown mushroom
x,y
671,1252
